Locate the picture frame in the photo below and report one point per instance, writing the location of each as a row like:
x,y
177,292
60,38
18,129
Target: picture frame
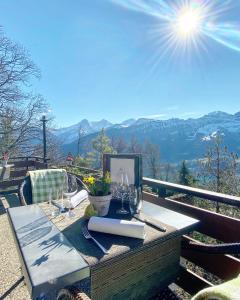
x,y
130,163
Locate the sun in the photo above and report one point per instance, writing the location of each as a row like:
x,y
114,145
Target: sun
x,y
188,22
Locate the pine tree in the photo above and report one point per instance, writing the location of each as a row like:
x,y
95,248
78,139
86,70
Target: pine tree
x,y
184,176
101,145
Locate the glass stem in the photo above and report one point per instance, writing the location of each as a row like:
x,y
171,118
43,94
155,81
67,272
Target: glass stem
x,y
69,203
122,201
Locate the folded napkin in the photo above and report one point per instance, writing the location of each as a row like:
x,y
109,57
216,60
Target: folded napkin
x,y
79,197
118,227
229,290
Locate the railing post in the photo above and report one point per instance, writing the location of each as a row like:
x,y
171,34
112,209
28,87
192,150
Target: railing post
x,y
27,163
44,121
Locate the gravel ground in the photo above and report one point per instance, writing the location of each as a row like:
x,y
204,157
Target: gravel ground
x,y
10,271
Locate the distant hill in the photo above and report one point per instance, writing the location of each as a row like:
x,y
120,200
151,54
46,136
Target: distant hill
x,y
178,139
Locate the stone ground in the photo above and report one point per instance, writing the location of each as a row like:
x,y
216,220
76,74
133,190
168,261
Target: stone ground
x,y
10,272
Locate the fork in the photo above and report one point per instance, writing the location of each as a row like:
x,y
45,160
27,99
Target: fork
x,y
88,236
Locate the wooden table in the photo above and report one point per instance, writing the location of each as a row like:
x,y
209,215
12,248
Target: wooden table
x,y
134,269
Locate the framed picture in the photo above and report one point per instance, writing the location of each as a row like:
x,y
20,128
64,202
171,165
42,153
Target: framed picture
x,y
131,164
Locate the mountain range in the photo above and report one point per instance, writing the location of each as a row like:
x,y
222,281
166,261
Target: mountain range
x,y
178,139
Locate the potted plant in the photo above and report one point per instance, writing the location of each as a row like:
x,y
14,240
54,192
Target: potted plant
x,y
99,193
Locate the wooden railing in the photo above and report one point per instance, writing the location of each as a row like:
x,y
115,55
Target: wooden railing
x,y
22,164
82,171
222,228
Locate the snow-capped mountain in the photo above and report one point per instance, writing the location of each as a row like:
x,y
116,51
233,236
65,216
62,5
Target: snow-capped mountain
x,y
70,134
178,139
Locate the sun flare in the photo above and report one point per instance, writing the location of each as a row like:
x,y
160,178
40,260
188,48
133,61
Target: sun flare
x,y
185,27
188,22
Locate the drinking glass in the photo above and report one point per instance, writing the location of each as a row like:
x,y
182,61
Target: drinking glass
x,y
62,206
133,199
114,190
72,188
50,200
123,188
54,210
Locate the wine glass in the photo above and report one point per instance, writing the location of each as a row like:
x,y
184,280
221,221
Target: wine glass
x,y
123,190
133,199
62,206
72,188
54,211
114,190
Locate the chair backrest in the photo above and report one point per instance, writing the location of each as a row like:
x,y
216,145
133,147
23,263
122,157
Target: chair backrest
x,y
25,190
130,163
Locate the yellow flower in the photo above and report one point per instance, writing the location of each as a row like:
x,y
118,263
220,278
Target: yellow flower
x,y
85,179
91,180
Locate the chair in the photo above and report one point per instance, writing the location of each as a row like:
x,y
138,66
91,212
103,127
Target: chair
x,y
25,190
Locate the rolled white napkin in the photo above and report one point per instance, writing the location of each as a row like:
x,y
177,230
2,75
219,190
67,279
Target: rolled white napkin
x,y
118,227
79,197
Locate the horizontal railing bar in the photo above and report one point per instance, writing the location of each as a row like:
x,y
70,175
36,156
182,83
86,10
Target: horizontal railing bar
x,y
40,165
18,173
205,194
7,192
84,168
10,183
23,163
191,282
27,157
215,225
224,266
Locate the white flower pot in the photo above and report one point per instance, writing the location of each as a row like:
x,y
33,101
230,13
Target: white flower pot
x,y
101,204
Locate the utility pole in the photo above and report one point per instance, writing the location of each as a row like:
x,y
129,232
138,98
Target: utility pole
x,y
44,121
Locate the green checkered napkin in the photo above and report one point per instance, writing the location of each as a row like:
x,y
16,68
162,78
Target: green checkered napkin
x,y
48,181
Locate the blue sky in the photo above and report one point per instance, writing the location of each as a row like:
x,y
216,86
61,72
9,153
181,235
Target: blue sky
x,y
96,59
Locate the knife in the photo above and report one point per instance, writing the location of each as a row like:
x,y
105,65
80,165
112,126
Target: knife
x,y
151,222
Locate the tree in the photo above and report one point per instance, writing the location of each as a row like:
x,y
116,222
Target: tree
x,y
54,153
184,176
152,159
101,145
82,161
134,146
19,107
118,144
219,169
169,173
16,70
